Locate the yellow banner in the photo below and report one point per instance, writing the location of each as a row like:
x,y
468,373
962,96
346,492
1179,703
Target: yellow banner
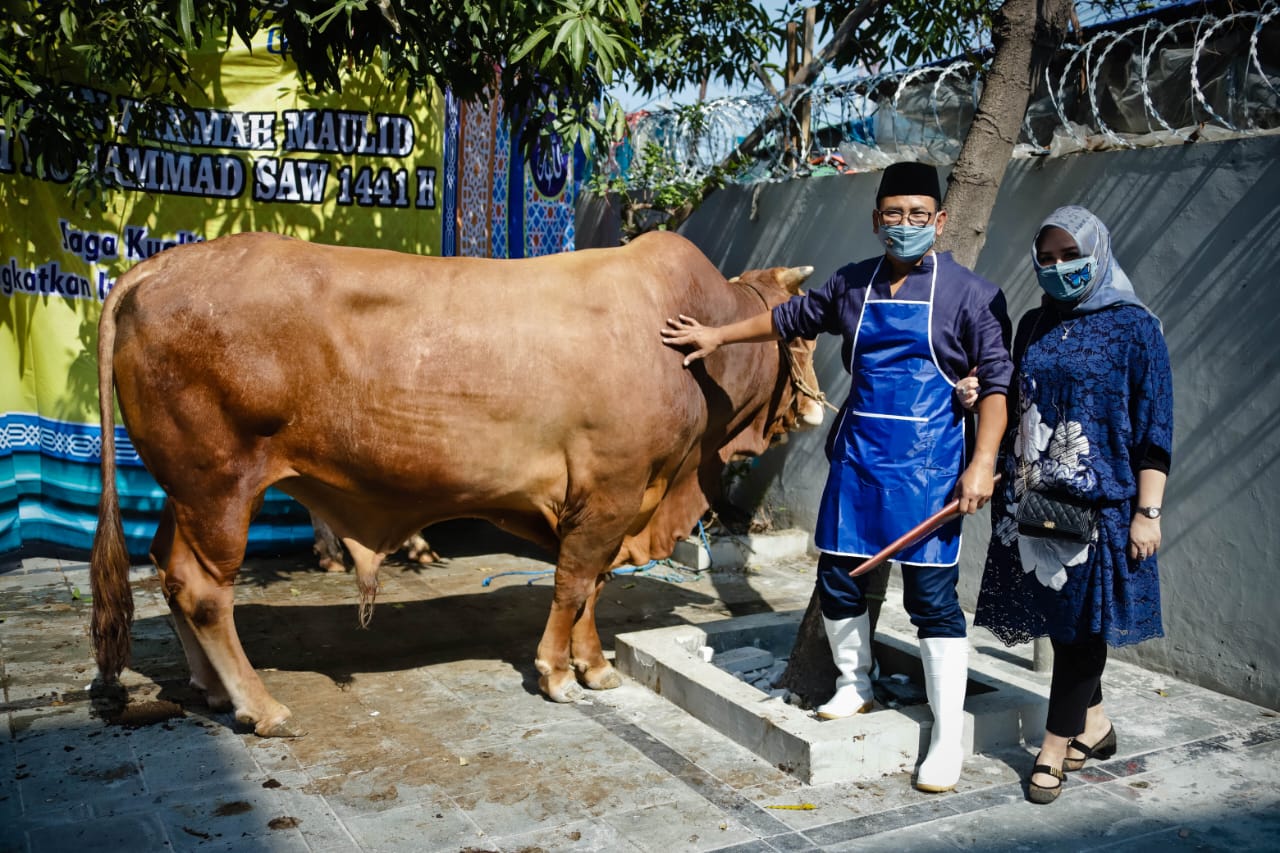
x,y
256,153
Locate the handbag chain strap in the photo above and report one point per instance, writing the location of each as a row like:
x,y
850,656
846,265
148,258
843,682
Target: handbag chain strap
x,y
1024,467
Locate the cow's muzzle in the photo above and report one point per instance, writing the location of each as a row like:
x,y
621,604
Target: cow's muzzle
x,y
811,414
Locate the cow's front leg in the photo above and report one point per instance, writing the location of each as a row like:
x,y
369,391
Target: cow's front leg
x,y
420,550
585,556
593,670
555,670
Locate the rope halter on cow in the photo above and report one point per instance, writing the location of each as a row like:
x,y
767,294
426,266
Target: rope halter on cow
x,y
797,379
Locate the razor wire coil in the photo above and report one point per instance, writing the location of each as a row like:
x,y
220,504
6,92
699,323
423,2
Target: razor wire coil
x,y
1227,82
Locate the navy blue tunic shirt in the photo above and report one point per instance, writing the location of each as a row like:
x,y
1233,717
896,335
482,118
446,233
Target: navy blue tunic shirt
x,y
970,323
1098,391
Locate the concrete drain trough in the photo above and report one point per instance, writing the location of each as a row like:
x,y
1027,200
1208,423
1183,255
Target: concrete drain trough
x,y
999,707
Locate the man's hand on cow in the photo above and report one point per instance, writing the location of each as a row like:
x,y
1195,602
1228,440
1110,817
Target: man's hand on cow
x,y
975,487
687,331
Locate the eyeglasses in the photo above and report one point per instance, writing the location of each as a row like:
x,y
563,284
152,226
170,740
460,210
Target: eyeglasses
x,y
915,217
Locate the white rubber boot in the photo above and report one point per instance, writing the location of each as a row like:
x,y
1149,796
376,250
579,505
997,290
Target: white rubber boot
x,y
850,641
946,674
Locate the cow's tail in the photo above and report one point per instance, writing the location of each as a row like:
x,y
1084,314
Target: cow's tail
x,y
109,562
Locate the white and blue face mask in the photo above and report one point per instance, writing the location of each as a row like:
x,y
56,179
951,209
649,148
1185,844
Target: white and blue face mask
x,y
908,243
1067,281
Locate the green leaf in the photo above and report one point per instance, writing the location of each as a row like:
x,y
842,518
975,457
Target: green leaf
x,y
577,41
186,13
529,44
566,28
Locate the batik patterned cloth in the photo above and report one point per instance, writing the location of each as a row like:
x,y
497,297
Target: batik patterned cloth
x,y
1095,391
498,204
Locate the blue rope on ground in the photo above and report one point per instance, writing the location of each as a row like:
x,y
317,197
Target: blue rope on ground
x,y
672,578
489,579
702,531
539,574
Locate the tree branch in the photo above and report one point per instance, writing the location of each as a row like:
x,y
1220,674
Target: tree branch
x,y
799,87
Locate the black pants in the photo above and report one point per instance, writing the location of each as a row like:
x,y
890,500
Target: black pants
x,y
1076,686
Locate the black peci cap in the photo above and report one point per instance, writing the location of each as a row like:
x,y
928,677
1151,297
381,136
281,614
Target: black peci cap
x,y
909,179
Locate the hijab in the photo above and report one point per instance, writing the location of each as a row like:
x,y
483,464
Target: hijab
x,y
1110,286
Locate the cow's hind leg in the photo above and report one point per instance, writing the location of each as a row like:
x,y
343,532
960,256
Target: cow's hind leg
x,y
593,670
198,577
203,676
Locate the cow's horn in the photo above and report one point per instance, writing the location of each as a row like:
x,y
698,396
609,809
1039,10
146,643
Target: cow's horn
x,y
796,275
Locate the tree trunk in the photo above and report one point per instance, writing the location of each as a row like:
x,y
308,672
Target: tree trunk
x,y
810,672
1024,43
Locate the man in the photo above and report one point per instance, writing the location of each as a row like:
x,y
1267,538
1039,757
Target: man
x,y
914,323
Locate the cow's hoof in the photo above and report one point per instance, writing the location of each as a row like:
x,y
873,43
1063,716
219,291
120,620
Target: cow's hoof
x,y
284,728
602,678
561,688
328,564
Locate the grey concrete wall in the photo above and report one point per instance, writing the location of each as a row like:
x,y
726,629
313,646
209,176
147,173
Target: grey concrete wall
x,y
1197,227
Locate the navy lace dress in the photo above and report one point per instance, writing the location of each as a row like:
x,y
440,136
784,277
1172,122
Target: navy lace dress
x,y
1094,395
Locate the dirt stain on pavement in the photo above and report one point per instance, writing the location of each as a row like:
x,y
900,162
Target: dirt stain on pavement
x,y
110,774
233,808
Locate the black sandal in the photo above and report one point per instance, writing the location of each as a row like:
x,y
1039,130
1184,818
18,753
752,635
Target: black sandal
x,y
1040,793
1100,751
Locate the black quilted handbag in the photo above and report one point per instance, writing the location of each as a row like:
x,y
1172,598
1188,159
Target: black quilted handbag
x,y
1056,515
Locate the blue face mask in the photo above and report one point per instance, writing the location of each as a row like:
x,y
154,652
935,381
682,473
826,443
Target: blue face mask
x,y
907,242
1067,281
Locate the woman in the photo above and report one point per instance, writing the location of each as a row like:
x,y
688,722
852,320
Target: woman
x,y
1094,421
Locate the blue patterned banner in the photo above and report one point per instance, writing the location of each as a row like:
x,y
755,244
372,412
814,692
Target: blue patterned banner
x,y
496,203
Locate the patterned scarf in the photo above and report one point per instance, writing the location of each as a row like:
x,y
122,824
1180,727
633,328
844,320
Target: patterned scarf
x,y
1110,286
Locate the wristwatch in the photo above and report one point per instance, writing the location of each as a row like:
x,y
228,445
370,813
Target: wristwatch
x,y
1149,511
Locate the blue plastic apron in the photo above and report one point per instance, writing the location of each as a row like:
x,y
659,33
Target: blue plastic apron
x,y
900,446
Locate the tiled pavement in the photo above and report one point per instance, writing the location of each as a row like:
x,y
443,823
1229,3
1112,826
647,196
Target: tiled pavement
x,y
426,732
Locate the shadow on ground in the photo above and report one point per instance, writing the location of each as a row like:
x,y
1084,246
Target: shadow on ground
x,y
293,618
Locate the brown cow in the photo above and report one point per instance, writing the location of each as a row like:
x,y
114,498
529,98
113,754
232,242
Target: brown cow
x,y
389,391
